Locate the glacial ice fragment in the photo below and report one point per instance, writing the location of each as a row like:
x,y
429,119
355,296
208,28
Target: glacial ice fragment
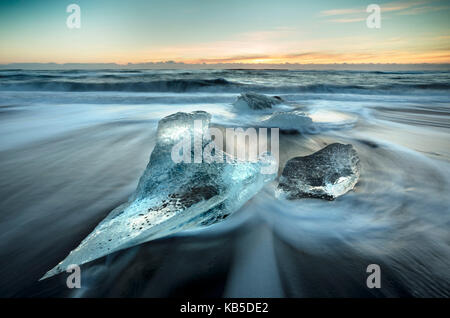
x,y
256,101
291,120
170,196
326,174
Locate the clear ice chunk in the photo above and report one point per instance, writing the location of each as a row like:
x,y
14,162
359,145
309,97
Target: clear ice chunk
x,y
326,174
256,101
291,120
170,196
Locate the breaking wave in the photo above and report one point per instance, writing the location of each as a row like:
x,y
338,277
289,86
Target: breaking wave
x,y
226,82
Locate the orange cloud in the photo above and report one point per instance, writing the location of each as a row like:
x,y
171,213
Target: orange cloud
x,y
331,58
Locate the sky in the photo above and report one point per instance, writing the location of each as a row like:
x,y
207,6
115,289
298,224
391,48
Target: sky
x,y
224,31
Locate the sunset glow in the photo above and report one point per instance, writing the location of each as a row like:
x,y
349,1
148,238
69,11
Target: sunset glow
x,y
211,32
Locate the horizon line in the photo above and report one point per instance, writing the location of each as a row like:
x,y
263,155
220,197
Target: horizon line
x,y
226,65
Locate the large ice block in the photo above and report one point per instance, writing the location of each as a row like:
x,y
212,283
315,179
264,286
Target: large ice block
x,y
171,196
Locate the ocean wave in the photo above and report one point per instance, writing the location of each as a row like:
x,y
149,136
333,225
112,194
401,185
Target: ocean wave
x,y
398,88
177,85
225,81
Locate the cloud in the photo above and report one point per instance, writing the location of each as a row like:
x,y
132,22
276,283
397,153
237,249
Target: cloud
x,y
349,20
328,13
419,10
350,15
328,57
398,6
442,37
240,58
